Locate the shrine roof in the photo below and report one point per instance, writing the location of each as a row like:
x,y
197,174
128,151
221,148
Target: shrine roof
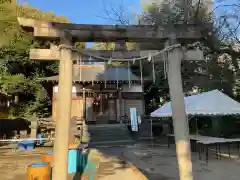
x,y
99,74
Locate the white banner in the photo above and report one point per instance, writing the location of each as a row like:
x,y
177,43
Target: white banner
x,y
134,123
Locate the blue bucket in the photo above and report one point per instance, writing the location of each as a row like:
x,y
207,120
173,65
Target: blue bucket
x,y
49,153
41,164
72,161
77,160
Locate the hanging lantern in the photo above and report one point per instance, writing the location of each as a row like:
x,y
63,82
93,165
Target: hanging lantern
x,y
149,57
90,58
96,101
110,60
134,60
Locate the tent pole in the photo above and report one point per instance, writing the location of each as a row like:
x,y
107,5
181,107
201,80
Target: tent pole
x,y
196,125
151,134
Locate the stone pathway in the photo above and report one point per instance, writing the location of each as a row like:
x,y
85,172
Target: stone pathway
x,y
15,167
117,169
13,164
158,163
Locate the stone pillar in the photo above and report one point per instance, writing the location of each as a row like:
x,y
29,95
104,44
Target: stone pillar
x,y
33,126
119,101
122,107
61,143
84,104
89,109
101,104
111,109
118,105
180,123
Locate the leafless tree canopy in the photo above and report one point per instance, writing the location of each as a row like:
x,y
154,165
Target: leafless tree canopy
x,y
117,14
222,37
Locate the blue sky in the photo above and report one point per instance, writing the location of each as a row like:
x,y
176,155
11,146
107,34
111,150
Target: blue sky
x,y
84,11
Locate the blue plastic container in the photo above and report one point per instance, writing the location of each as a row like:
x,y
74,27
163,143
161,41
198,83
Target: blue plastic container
x,y
72,161
26,145
21,146
77,160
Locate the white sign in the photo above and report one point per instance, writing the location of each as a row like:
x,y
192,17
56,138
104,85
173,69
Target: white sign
x,y
134,123
139,120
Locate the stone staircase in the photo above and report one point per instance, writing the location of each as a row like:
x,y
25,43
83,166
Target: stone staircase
x,y
101,119
109,135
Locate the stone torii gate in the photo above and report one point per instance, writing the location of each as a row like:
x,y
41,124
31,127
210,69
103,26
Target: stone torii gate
x,y
67,33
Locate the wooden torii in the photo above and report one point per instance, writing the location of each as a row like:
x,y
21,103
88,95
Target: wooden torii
x,y
68,33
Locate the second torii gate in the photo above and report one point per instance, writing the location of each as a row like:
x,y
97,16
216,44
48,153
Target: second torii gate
x,y
67,33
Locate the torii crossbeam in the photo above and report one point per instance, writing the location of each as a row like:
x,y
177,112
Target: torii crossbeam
x,y
67,33
111,33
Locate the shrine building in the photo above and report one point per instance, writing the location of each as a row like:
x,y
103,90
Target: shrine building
x,y
102,94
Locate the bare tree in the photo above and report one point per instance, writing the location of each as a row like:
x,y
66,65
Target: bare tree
x,y
221,39
117,14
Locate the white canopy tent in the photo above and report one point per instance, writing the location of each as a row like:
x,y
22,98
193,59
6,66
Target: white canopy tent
x,y
210,103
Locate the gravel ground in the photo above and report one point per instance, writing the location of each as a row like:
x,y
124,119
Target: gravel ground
x,y
156,163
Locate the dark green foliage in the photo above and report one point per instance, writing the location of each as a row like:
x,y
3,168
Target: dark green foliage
x,y
19,75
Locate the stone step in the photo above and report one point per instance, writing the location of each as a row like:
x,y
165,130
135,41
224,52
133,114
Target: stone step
x,y
112,143
106,125
106,135
109,134
95,139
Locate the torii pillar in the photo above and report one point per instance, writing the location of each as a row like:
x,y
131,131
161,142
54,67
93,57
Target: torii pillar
x,y
61,143
180,122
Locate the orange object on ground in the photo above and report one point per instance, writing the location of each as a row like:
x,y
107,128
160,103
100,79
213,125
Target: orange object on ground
x,y
39,171
71,146
48,157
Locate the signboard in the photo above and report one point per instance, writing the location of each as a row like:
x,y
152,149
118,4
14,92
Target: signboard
x,y
133,115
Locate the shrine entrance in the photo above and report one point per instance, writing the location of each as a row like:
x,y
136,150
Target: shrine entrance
x,y
101,108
